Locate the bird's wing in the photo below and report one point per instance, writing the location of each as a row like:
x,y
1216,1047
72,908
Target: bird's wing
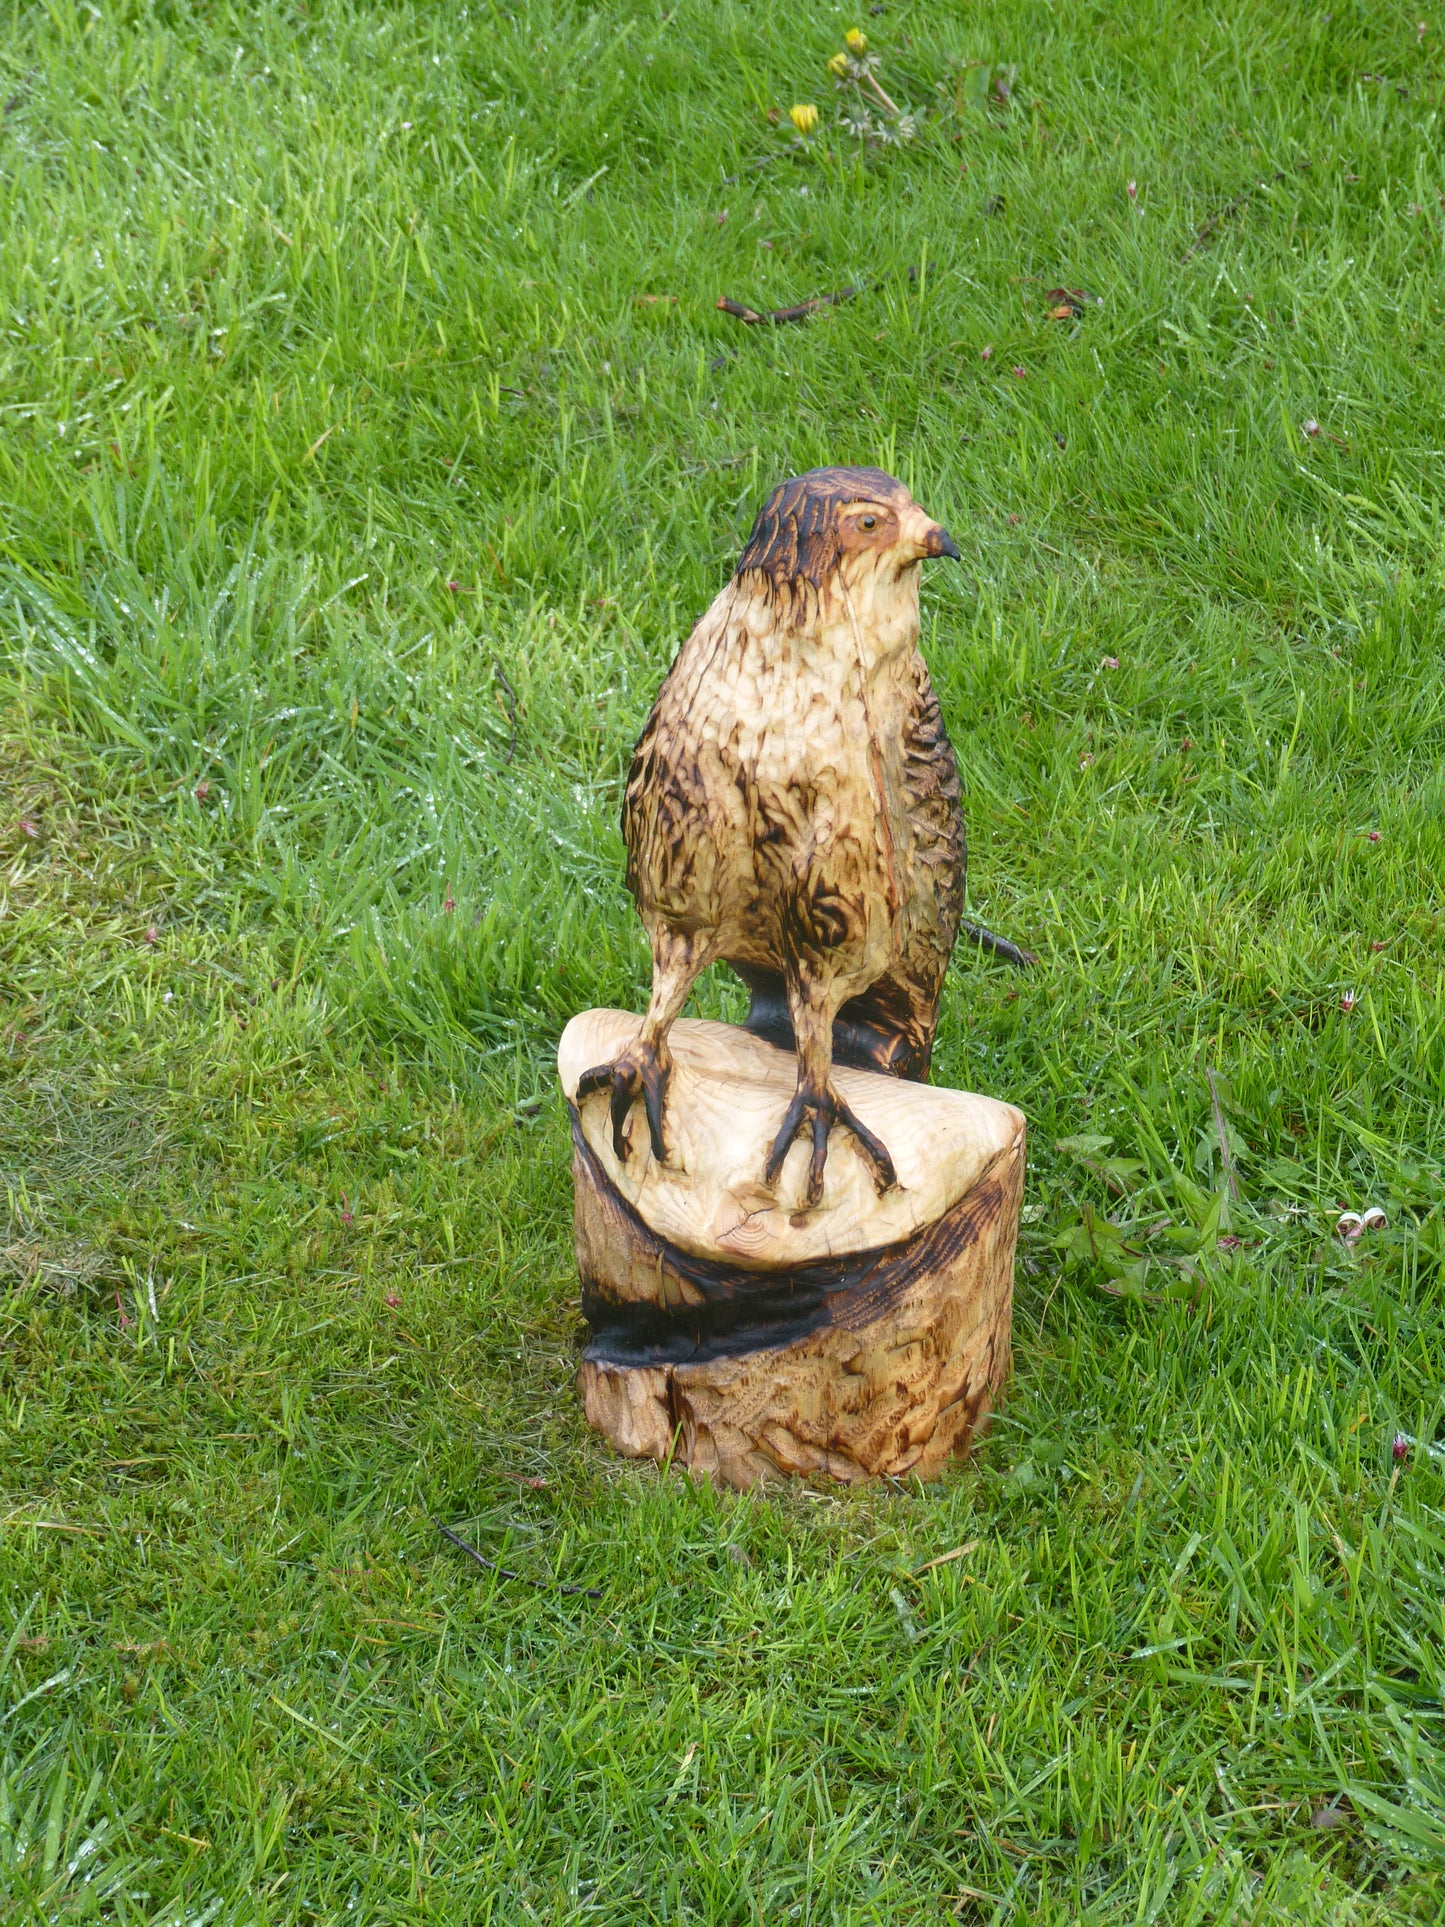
x,y
890,1027
672,813
931,785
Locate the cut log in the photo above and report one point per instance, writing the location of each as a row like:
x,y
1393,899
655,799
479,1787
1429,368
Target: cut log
x,y
744,1334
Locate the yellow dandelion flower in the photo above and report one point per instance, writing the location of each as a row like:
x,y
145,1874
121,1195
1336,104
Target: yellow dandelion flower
x,y
838,65
857,40
804,116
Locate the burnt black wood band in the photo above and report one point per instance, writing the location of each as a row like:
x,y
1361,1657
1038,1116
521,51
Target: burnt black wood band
x,y
745,1310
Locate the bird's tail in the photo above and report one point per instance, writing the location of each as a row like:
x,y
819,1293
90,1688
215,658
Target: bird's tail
x,y
998,946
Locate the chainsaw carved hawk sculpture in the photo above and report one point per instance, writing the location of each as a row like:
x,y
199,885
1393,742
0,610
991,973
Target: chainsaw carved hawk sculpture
x,y
793,810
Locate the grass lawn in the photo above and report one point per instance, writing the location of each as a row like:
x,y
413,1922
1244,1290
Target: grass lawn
x,y
369,438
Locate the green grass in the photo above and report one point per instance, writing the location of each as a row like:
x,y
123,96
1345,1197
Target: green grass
x,y
308,313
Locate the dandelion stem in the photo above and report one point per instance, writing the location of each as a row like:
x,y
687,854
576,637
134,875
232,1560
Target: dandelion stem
x,y
893,109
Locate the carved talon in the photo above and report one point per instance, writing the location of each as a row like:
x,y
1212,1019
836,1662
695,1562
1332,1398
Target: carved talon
x,y
825,1109
640,1071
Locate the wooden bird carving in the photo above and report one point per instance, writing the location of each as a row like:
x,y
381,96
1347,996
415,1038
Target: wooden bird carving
x,y
793,809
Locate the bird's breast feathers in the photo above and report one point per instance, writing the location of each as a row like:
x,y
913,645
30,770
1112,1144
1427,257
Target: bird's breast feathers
x,y
777,759
784,704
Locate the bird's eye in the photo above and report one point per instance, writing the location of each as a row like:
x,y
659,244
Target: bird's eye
x,y
867,521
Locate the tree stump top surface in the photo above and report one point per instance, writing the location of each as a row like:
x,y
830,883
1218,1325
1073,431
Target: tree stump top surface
x,y
725,1101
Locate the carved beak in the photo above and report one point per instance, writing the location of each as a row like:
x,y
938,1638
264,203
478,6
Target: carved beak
x,y
939,542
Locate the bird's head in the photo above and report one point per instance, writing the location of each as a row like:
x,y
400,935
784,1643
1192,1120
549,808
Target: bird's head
x,y
854,526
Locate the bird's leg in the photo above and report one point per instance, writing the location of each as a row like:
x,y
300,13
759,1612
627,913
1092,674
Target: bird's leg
x,y
642,1068
817,1103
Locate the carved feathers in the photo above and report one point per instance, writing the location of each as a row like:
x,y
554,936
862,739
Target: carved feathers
x,y
793,801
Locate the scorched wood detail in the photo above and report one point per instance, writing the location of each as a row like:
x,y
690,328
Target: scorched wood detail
x,y
760,1302
793,809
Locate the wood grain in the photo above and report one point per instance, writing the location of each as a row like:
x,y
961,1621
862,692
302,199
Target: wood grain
x,y
793,809
794,1255
849,1354
727,1096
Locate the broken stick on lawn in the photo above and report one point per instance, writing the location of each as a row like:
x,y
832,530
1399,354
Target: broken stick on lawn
x,y
998,946
779,317
505,1572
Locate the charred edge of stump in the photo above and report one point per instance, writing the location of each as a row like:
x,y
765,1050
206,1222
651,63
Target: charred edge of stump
x,y
720,1311
883,1363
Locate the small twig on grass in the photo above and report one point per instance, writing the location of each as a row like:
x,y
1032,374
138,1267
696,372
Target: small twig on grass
x,y
1218,220
501,676
779,317
505,1572
1240,202
1223,1135
999,946
945,1558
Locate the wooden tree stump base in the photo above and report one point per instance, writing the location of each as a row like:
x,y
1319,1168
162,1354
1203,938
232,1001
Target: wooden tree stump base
x,y
745,1335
